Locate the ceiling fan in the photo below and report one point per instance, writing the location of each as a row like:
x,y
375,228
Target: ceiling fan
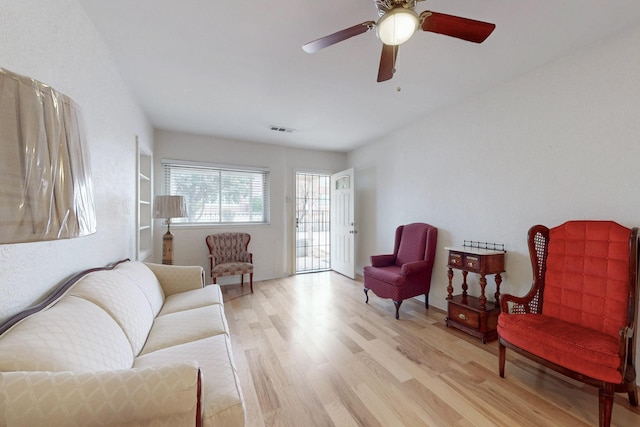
x,y
397,23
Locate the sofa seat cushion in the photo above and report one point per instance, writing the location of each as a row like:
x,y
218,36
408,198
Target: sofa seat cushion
x,y
185,326
580,349
195,298
231,269
71,335
222,403
122,299
389,274
153,396
148,283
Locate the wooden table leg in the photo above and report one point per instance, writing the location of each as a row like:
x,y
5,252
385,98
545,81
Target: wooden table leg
x,y
497,294
483,298
450,287
464,286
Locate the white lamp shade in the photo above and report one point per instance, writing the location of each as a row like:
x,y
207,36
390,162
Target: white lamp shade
x,y
170,207
397,26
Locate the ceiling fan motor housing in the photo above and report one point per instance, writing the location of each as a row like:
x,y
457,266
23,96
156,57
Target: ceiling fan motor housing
x,y
384,6
397,26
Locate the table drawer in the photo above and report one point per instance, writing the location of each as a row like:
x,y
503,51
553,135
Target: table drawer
x,y
455,259
472,262
464,316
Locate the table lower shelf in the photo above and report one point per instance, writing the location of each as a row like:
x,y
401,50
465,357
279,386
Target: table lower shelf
x,y
466,314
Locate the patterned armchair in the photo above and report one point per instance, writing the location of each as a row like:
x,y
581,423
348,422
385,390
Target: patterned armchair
x,y
580,315
228,256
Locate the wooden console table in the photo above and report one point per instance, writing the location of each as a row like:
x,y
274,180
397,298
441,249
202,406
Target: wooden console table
x,y
474,315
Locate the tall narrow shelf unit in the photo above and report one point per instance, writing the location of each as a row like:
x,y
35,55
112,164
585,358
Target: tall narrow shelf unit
x,y
144,235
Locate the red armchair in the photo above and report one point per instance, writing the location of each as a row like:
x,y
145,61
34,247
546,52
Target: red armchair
x,y
407,272
580,315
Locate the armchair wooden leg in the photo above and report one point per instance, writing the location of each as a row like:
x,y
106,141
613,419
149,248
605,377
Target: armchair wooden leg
x,y
242,280
633,395
426,301
503,356
397,304
605,398
366,295
251,281
214,280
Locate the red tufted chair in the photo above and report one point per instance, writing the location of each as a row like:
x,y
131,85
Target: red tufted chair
x,y
407,272
580,315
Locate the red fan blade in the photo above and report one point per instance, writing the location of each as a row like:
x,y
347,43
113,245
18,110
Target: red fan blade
x,y
334,38
455,26
387,62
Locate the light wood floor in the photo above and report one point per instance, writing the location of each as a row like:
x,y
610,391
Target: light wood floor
x,y
310,352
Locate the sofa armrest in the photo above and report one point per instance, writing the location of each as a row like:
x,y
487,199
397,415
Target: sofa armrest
x,y
382,260
167,395
529,303
416,267
178,278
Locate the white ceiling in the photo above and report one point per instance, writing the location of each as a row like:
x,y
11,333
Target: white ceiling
x,y
234,68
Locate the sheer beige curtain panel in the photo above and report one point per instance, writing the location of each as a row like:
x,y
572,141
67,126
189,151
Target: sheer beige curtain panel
x,y
45,178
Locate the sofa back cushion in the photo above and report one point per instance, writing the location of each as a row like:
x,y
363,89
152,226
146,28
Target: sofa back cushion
x,y
71,335
587,275
147,281
413,243
122,299
229,247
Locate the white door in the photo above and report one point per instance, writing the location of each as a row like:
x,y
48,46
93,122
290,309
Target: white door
x,y
343,229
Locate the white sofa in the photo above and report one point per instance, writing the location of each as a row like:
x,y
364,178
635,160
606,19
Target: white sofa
x,y
131,345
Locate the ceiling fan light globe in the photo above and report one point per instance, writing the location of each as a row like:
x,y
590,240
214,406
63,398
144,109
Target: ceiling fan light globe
x,y
397,26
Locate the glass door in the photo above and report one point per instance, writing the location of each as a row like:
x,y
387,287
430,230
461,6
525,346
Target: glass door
x,y
313,231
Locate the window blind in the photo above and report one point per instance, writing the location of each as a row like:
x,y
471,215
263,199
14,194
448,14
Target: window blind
x,y
218,194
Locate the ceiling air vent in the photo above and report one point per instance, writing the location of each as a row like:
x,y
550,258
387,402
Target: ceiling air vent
x,y
280,129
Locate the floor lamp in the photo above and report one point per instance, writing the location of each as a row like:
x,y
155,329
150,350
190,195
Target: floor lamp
x,y
169,207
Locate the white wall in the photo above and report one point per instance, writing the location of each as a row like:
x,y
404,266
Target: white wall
x,y
271,245
54,42
557,144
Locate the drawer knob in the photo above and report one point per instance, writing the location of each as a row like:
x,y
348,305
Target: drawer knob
x,y
462,316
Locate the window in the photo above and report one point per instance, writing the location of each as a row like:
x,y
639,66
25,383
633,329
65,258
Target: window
x,y
219,194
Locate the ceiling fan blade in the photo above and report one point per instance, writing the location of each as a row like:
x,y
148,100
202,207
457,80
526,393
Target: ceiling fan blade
x,y
387,62
455,26
341,35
